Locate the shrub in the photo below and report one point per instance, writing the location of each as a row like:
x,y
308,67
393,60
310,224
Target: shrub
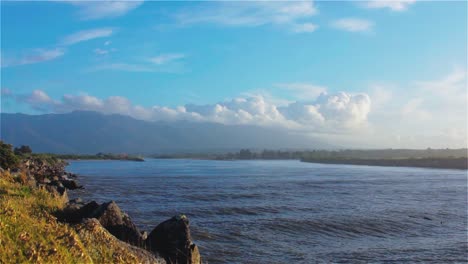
x,y
23,150
8,159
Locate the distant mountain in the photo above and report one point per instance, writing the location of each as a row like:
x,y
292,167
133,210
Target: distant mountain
x,y
91,132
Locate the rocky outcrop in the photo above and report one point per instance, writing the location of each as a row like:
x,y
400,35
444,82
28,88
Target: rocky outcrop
x,y
118,223
49,175
91,231
108,214
172,240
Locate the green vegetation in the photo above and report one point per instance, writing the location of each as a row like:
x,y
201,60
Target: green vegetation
x,y
431,158
247,154
30,232
23,150
99,156
8,159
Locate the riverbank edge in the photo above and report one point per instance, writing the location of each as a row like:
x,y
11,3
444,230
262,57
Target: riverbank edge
x,y
429,163
93,230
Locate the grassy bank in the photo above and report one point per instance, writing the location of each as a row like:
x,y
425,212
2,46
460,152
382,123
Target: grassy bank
x,y
29,231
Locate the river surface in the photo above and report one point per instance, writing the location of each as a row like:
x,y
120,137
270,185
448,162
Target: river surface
x,y
293,212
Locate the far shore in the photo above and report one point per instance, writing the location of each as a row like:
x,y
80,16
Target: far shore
x,y
457,163
434,163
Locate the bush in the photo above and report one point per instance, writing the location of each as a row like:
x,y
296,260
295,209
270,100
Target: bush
x,y
23,150
8,159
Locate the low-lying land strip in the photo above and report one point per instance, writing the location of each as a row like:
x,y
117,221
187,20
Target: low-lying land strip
x,y
440,163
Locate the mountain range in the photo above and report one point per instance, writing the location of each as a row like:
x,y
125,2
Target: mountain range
x,y
85,132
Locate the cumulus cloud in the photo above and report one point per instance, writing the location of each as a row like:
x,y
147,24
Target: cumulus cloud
x,y
32,57
394,5
85,35
89,10
337,112
251,14
353,24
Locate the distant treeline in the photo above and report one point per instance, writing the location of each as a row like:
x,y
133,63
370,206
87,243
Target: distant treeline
x,y
441,163
431,158
25,152
246,154
99,156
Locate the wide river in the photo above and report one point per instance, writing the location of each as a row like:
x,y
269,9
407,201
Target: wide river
x,y
293,212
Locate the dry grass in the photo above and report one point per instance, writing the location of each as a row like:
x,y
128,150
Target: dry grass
x,y
29,233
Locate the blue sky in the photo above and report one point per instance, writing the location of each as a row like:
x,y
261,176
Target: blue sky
x,y
342,70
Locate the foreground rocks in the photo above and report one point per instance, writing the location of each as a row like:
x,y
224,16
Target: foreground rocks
x,y
49,175
93,232
171,239
170,242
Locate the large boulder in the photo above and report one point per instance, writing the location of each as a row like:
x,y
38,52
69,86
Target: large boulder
x,y
94,236
118,223
71,184
172,240
75,211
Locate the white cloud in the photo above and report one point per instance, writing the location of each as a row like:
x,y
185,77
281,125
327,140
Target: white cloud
x,y
89,10
394,5
413,110
166,58
37,99
251,14
86,35
107,43
424,113
353,24
341,112
34,56
99,51
305,27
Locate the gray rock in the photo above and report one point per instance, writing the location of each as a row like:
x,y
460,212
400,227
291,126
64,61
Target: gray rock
x,y
172,240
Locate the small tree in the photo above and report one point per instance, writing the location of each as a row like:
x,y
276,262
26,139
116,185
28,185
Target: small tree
x,y
23,150
8,159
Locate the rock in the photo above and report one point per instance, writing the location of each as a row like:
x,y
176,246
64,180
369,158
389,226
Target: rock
x,y
55,190
75,212
71,184
118,223
93,235
172,240
76,201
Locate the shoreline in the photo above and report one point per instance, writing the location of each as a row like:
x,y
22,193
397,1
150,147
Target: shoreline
x,y
428,163
97,229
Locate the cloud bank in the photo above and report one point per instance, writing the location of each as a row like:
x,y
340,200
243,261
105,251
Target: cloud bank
x,y
334,113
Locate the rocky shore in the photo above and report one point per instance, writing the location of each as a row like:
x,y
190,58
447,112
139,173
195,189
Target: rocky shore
x,y
169,242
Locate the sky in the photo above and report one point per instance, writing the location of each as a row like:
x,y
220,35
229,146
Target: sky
x,y
354,73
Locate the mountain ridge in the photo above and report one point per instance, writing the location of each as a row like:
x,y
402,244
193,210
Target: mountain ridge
x,y
87,132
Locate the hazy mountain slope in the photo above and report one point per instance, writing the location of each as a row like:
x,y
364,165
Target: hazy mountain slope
x,y
91,132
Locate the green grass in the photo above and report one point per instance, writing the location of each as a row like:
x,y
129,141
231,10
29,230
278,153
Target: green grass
x,y
29,232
